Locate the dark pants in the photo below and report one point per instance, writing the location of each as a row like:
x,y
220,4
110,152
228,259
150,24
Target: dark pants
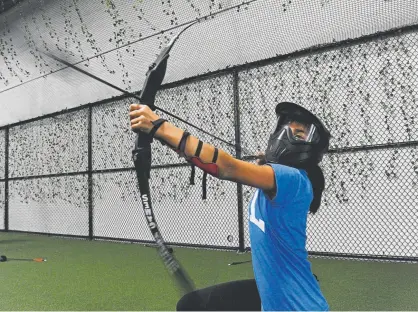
x,y
231,296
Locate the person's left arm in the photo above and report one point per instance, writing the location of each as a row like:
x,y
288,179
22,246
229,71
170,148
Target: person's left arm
x,y
228,167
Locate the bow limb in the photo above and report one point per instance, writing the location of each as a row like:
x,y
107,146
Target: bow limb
x,y
142,161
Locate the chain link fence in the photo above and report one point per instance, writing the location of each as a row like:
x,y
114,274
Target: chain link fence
x,y
71,173
367,96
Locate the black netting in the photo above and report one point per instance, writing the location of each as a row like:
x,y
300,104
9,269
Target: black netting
x,y
117,208
57,205
370,204
112,139
49,146
207,104
366,94
181,215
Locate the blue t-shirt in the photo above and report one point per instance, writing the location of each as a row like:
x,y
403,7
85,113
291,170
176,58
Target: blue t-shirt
x,y
278,238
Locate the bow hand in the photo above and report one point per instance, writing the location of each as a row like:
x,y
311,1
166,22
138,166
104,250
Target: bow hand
x,y
142,118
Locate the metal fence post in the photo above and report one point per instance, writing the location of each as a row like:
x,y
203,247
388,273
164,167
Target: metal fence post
x,y
90,171
238,155
6,181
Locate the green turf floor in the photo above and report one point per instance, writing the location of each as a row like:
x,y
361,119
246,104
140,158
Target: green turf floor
x,y
97,275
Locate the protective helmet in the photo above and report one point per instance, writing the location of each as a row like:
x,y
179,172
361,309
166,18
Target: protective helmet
x,y
299,140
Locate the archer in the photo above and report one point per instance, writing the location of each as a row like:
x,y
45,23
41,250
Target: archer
x,y
289,185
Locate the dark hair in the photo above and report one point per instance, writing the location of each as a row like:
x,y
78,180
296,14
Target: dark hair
x,y
316,176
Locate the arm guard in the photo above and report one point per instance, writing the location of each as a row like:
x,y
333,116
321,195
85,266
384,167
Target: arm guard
x,y
211,168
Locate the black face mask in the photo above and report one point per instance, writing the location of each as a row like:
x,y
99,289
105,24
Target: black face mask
x,y
299,139
282,149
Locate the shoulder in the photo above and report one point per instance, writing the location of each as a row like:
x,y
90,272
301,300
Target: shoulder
x,y
290,183
286,174
285,170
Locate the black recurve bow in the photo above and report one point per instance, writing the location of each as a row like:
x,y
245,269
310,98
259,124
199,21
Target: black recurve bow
x,y
142,155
